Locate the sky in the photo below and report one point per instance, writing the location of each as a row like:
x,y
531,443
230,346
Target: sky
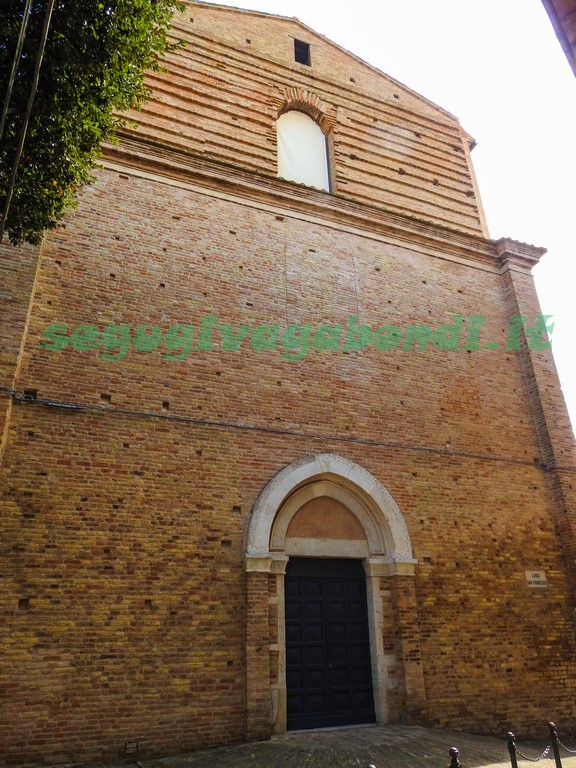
x,y
498,66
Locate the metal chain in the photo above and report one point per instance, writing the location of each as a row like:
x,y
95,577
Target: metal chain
x,y
572,751
533,759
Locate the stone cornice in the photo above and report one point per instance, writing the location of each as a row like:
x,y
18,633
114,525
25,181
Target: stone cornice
x,y
172,166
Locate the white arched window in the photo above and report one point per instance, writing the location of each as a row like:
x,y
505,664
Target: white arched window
x,y
302,150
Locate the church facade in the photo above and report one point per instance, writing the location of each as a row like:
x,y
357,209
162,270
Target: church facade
x,y
283,444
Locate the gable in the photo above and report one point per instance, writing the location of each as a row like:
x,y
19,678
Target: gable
x,y
272,37
224,91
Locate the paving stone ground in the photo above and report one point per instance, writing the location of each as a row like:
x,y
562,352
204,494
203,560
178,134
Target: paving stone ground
x,y
383,746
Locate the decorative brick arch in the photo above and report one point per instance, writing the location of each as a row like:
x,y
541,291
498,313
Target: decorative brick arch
x,y
386,554
308,102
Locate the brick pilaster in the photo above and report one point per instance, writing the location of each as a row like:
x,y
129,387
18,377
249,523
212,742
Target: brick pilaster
x,y
258,704
405,606
550,416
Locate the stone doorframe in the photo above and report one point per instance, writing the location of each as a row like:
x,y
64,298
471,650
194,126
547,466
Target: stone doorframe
x,y
386,553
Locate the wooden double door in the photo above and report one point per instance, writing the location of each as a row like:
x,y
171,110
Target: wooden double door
x,y
328,667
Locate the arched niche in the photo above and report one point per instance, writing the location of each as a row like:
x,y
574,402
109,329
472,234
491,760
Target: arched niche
x,y
303,154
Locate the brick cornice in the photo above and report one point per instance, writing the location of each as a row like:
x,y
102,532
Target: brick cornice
x,y
172,166
515,255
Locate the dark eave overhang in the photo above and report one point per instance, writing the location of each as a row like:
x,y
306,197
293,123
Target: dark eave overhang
x,y
563,17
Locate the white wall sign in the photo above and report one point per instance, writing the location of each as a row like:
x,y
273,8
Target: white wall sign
x,y
536,579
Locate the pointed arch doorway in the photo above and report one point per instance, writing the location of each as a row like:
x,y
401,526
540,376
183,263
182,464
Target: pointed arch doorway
x,y
328,661
339,527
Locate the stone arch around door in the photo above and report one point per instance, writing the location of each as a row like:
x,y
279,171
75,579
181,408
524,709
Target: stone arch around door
x,y
325,506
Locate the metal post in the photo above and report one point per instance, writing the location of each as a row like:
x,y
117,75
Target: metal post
x,y
554,738
512,748
454,762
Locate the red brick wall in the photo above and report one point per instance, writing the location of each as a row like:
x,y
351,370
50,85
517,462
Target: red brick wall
x,y
127,487
221,96
123,534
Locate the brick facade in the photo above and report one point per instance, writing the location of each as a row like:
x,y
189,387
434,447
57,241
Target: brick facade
x,y
130,486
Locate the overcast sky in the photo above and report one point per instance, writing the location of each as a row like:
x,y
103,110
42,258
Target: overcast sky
x,y
498,67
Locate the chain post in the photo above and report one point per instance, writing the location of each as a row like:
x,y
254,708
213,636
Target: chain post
x,y
454,762
512,749
554,738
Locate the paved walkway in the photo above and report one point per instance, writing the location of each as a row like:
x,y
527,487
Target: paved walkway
x,y
382,746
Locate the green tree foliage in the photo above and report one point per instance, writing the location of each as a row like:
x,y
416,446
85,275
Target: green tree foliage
x,y
96,54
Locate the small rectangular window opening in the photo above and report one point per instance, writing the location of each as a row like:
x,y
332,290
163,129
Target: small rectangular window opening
x,y
302,52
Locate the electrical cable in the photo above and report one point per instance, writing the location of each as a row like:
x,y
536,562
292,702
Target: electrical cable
x,y
31,400
24,129
15,62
